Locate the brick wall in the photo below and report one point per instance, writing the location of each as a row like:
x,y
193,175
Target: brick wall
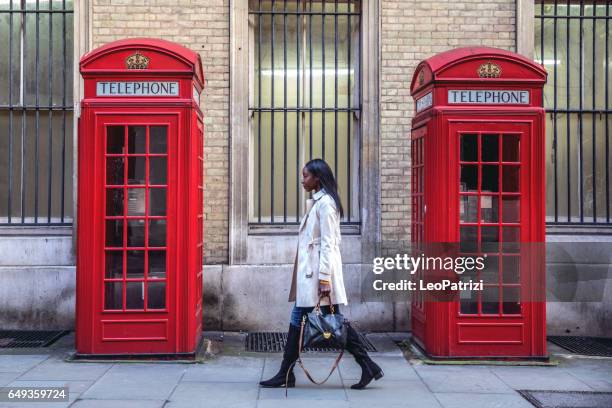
x,y
202,26
412,30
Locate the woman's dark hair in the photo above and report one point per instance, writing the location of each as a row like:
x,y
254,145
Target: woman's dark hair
x,y
320,169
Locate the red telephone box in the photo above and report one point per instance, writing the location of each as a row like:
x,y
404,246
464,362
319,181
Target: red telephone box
x,y
478,169
140,231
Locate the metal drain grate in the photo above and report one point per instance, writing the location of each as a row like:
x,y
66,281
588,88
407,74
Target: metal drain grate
x,y
29,338
274,342
568,399
588,346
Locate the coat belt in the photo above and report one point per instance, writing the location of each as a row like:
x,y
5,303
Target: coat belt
x,y
317,241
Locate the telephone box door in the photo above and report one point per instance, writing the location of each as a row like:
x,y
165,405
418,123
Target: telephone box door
x,y
492,192
136,275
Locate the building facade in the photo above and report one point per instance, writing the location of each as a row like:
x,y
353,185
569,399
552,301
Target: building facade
x,y
286,81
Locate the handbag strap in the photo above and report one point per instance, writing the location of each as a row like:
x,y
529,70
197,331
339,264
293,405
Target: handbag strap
x,y
331,305
299,360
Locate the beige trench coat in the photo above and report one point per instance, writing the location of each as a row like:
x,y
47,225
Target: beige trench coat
x,y
318,254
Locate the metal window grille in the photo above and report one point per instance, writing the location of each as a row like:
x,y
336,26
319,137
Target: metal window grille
x,y
304,103
36,112
572,41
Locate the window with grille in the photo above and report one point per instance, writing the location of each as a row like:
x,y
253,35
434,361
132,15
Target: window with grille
x,y
304,103
572,41
36,112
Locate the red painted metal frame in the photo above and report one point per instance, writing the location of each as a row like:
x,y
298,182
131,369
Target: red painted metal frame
x,y
175,330
440,328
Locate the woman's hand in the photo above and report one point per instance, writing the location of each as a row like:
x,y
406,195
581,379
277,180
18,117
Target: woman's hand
x,y
324,288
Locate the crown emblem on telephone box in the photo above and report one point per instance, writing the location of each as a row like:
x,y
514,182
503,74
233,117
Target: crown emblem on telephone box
x,y
489,70
137,61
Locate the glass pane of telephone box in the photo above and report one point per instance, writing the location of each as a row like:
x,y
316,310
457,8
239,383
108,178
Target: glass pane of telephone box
x,y
511,301
157,264
157,201
114,201
115,139
489,208
135,264
137,140
490,300
510,148
490,148
134,295
156,295
136,201
113,265
489,237
510,269
158,170
468,302
468,237
469,178
114,170
136,233
114,233
113,295
158,139
511,209
157,233
511,238
510,179
137,172
469,148
490,178
468,211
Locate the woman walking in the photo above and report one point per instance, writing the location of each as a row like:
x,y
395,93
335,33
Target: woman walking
x,y
317,271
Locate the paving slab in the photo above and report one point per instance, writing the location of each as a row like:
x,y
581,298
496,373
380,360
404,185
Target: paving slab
x,y
138,381
212,395
89,403
539,378
406,393
6,378
57,369
305,403
462,379
20,363
462,400
213,404
407,403
303,391
594,372
226,369
395,368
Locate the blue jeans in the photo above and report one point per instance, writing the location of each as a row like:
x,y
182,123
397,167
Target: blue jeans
x,y
298,312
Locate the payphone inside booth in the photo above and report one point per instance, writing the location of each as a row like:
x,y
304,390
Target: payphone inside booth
x,y
140,231
477,148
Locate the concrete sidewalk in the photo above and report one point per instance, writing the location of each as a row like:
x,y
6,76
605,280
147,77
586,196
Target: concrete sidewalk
x,y
230,379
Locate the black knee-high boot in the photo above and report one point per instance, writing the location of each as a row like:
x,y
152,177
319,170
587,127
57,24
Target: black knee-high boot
x,y
369,369
290,355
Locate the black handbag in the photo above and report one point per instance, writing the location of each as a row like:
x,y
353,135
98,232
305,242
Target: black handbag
x,y
324,330
321,331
